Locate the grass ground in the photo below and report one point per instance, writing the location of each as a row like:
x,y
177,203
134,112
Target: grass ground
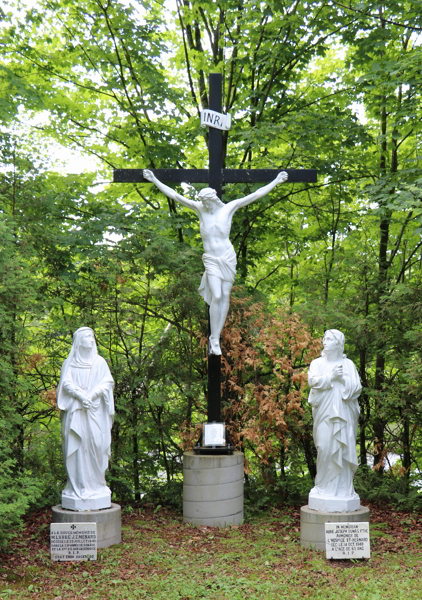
x,y
160,558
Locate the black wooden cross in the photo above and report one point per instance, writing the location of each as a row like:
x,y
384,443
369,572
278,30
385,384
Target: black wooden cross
x,y
215,177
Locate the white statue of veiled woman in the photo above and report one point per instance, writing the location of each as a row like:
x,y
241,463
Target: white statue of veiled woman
x,y
85,399
335,388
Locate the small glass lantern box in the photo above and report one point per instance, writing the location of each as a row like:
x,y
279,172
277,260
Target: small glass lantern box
x,y
214,439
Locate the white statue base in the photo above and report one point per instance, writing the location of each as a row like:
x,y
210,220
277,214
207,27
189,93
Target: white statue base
x,y
97,502
333,504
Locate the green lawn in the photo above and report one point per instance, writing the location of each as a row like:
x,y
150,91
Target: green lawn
x,y
162,559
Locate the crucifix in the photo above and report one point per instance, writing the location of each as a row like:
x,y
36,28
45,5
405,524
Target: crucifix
x,y
215,218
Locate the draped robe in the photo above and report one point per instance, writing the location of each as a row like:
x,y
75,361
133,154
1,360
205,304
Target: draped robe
x,y
86,433
335,412
223,267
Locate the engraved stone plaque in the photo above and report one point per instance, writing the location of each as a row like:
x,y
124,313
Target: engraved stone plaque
x,y
347,540
73,541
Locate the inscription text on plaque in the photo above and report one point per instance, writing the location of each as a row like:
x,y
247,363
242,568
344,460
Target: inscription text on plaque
x,y
73,541
347,540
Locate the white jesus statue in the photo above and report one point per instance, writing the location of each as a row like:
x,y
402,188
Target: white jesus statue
x,y
219,256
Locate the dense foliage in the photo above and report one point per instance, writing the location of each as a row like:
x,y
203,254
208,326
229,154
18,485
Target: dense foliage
x,y
322,85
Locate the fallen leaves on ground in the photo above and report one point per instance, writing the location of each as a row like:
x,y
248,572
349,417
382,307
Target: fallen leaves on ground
x,y
164,532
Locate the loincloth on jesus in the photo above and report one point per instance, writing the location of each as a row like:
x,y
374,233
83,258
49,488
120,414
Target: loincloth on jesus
x,y
223,267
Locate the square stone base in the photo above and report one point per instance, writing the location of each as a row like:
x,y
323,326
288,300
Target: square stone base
x,y
335,504
80,504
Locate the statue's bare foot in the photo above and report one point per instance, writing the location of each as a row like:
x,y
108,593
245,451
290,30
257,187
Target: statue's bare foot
x,y
213,346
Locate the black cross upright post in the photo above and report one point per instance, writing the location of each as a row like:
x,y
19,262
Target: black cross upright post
x,y
215,176
215,161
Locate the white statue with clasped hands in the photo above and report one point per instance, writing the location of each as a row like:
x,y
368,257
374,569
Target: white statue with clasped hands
x,y
335,389
85,399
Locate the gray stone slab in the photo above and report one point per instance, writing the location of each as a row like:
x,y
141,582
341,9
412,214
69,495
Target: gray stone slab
x,y
312,532
309,515
109,541
108,522
211,461
208,510
236,519
318,546
312,524
213,493
213,476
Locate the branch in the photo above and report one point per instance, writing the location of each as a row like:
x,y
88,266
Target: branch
x,y
185,48
372,16
399,238
287,196
61,77
122,74
404,139
269,274
408,262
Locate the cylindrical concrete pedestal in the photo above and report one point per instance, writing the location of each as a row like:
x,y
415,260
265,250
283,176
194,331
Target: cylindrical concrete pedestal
x,y
213,489
108,522
312,524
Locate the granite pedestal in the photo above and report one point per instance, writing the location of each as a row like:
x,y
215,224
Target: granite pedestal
x,y
108,522
213,489
312,524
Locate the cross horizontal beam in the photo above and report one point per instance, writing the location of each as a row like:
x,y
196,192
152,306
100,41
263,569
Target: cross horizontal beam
x,y
267,175
227,175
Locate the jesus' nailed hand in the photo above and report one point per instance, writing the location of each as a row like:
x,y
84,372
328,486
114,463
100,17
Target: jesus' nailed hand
x,y
219,256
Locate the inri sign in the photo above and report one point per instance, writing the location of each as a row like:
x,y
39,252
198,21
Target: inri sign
x,y
211,118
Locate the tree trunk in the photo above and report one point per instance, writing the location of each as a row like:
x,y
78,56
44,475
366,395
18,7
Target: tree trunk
x,y
406,448
135,451
383,266
310,454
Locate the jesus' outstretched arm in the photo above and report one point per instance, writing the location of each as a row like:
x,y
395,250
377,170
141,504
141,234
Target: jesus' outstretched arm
x,y
149,175
262,191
